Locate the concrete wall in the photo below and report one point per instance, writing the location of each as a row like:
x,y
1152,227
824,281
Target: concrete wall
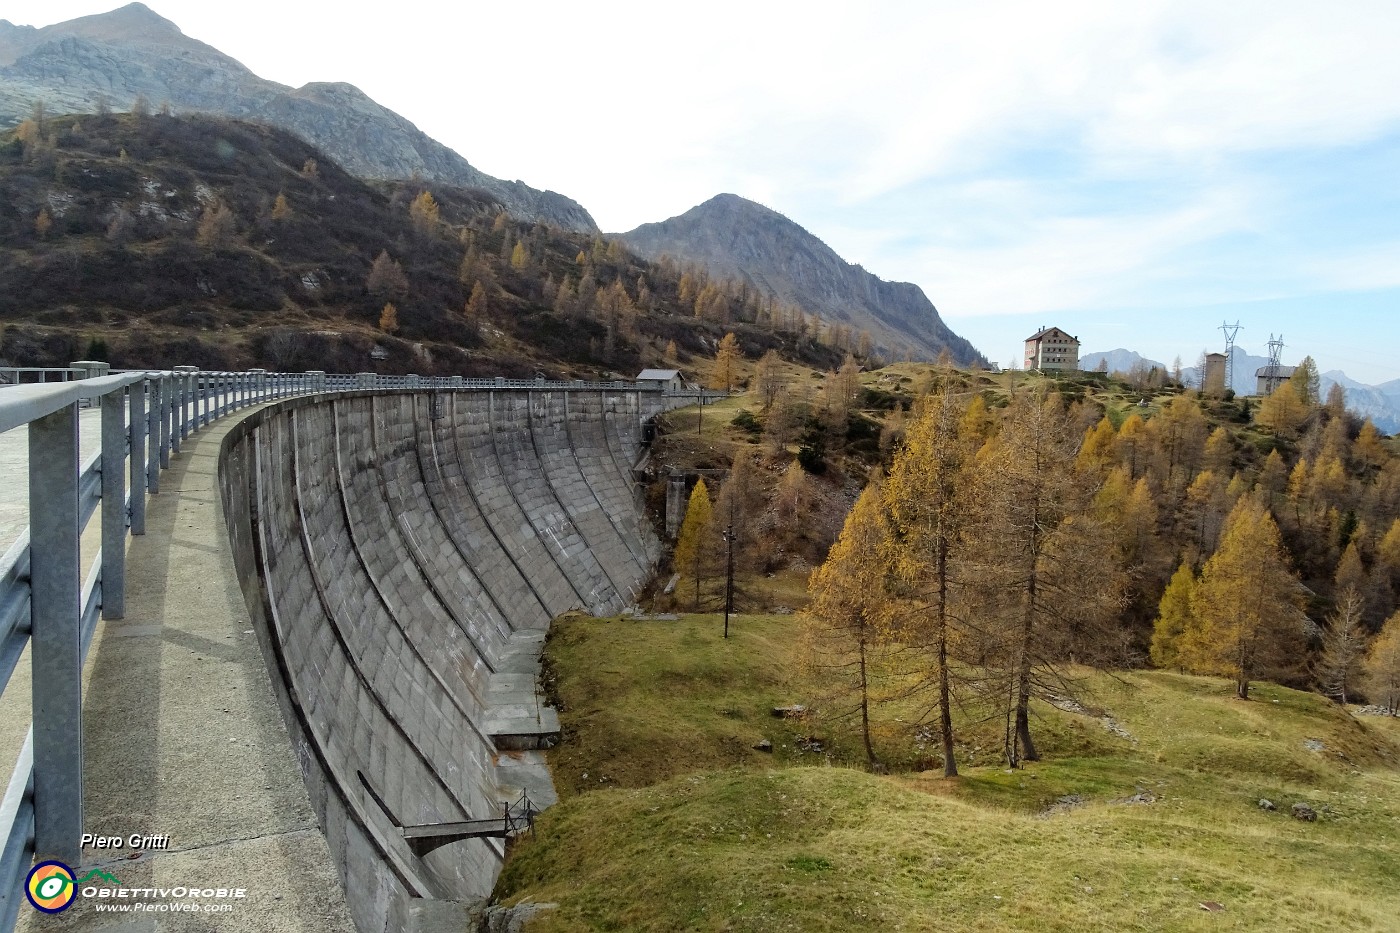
x,y
402,555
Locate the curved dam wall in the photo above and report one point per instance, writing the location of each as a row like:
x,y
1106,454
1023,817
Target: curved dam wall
x,y
401,555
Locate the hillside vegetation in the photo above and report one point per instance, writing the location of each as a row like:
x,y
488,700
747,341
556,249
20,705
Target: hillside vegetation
x,y
153,240
965,751
671,820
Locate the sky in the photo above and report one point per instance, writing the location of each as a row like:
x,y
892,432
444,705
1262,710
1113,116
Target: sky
x,y
1134,173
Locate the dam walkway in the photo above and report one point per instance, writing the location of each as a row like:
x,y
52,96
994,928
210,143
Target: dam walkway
x,y
313,681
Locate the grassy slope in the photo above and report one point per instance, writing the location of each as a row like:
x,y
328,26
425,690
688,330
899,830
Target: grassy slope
x,y
680,825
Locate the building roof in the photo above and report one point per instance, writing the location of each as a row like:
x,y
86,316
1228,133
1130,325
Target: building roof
x,y
1216,356
1274,372
657,375
1045,330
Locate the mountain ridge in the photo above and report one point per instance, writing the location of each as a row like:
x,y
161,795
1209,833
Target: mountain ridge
x,y
114,58
733,237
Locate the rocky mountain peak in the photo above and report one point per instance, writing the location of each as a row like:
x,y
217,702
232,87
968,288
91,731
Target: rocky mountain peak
x,y
733,237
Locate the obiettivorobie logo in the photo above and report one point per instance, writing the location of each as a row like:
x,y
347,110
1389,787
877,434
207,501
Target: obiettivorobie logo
x,y
51,886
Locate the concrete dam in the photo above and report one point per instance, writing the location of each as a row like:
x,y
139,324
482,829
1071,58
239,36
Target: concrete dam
x,y
401,555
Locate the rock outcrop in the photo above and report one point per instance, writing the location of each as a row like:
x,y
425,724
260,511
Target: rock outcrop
x,y
112,59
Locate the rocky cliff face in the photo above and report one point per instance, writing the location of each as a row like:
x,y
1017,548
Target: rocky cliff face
x,y
736,238
128,53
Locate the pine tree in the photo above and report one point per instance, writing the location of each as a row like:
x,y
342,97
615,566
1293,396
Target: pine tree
x,y
691,542
671,352
1382,667
389,319
519,257
1249,617
849,601
281,210
43,223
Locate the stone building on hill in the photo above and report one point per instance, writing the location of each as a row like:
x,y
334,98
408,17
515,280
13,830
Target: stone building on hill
x,y
1052,349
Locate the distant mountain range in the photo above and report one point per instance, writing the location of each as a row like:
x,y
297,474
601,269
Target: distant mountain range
x,y
732,237
111,59
1119,361
1379,403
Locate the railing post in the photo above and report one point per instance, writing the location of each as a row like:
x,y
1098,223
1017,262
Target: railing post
x,y
153,435
137,453
56,652
164,389
113,505
184,414
177,402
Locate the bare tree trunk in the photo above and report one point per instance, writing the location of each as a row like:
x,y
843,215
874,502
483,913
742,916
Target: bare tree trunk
x,y
945,712
1023,680
865,708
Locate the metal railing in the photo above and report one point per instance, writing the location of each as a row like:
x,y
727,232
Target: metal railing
x,y
49,606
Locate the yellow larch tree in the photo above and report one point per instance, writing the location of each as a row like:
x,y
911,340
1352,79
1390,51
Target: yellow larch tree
x,y
1174,614
281,210
693,539
844,621
389,319
1249,619
1382,667
726,369
1045,592
924,501
423,213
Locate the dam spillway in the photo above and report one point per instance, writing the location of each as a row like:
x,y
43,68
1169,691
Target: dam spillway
x,y
401,555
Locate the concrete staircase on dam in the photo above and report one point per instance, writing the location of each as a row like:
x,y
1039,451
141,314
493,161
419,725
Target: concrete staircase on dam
x,y
402,555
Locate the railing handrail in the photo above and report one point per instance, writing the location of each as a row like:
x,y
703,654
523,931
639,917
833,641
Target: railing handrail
x,y
22,404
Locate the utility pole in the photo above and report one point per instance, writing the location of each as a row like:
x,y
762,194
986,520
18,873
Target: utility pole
x,y
728,574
